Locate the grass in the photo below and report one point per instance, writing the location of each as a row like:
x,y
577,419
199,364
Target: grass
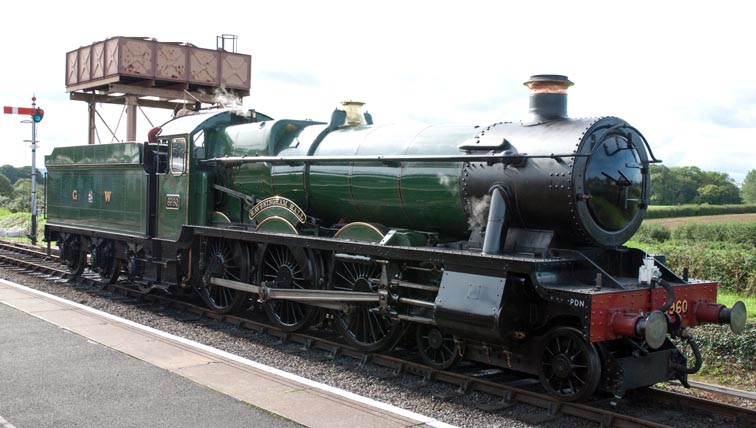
x,y
16,226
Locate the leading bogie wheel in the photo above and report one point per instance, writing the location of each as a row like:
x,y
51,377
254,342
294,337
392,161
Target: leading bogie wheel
x,y
437,349
570,367
290,268
228,260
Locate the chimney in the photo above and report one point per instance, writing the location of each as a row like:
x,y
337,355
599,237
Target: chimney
x,y
548,98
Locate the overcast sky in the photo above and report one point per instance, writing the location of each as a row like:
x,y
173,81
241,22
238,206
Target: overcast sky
x,y
681,72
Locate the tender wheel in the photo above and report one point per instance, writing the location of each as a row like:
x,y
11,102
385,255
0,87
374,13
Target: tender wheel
x,y
228,260
437,349
293,268
112,272
109,266
365,330
77,263
76,260
570,368
135,266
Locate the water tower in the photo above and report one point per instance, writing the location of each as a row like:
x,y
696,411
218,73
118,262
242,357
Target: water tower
x,y
142,72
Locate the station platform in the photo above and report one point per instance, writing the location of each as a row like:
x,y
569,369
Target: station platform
x,y
64,364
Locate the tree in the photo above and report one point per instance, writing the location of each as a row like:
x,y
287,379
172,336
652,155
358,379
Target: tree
x,y
748,192
718,195
11,172
6,189
663,185
674,186
717,188
21,201
691,185
16,173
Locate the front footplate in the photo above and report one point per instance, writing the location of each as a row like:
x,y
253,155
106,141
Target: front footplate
x,y
631,370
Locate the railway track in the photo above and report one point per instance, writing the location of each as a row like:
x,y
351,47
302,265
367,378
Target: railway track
x,y
504,389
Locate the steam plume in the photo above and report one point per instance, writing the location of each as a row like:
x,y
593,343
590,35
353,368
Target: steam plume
x,y
478,211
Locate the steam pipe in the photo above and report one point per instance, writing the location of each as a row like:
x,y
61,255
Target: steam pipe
x,y
670,295
696,354
496,214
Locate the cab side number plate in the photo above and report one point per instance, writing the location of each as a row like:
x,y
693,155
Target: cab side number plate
x,y
172,202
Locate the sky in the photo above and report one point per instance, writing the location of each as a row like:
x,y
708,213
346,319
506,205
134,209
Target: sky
x,y
682,72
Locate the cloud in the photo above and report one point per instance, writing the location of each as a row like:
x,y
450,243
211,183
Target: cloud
x,y
302,78
492,103
740,112
708,147
733,118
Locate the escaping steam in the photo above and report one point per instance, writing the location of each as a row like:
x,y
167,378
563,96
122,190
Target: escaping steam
x,y
444,180
230,101
478,209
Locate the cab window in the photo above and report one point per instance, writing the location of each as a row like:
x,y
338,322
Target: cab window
x,y
199,144
178,156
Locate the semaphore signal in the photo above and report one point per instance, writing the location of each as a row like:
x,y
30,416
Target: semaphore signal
x,y
19,110
36,115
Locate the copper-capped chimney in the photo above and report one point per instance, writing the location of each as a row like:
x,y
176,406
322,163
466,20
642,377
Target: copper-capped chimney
x,y
548,98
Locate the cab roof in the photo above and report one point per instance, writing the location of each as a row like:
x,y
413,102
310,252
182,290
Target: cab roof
x,y
203,119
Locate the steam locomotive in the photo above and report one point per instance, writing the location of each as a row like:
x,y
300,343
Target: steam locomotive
x,y
500,244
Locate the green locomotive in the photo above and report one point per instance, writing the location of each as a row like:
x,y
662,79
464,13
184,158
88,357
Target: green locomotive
x,y
498,244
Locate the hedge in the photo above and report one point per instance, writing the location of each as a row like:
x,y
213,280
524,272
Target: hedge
x,y
731,232
733,266
720,347
670,211
722,252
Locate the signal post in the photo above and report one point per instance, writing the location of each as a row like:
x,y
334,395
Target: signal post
x,y
36,115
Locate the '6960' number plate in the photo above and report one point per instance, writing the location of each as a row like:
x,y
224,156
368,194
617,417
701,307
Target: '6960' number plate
x,y
680,306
